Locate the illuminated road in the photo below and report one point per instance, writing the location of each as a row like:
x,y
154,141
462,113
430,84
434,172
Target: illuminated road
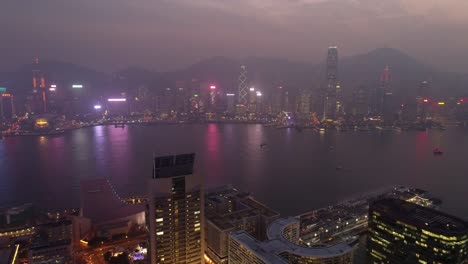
x,y
94,255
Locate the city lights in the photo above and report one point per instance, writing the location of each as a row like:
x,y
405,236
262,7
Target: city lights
x,y
212,87
77,86
441,103
97,107
3,89
52,89
426,100
230,94
53,86
117,100
252,89
6,95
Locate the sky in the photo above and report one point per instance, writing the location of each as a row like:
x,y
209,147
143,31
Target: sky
x,y
162,35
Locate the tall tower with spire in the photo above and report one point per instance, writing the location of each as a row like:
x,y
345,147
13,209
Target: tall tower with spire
x,y
386,95
243,87
331,104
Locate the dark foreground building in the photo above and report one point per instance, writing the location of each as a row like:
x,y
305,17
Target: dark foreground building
x,y
175,211
403,232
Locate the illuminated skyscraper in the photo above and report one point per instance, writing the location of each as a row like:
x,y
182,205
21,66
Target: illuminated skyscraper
x,y
243,87
332,97
403,232
39,88
231,107
7,106
386,96
175,211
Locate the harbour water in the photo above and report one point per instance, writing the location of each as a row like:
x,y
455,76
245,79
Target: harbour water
x,y
290,171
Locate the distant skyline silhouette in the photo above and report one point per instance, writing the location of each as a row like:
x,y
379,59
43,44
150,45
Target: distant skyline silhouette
x,y
163,35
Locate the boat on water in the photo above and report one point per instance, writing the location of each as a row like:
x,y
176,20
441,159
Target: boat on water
x,y
437,151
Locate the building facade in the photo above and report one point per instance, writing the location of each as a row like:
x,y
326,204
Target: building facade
x,y
284,246
403,232
228,210
175,212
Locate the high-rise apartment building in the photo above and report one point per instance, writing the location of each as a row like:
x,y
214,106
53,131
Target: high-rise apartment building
x,y
175,211
403,232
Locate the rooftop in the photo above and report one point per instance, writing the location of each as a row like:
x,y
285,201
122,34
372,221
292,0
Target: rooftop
x,y
278,243
422,217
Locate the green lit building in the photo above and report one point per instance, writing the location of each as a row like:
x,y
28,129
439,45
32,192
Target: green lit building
x,y
403,232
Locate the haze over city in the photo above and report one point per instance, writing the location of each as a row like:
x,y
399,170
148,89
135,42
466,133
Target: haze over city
x,y
233,132
165,35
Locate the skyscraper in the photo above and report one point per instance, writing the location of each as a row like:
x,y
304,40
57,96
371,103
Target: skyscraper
x,y
243,87
332,97
7,106
386,96
403,232
39,88
175,211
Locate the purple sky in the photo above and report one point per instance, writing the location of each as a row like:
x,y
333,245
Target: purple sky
x,y
167,34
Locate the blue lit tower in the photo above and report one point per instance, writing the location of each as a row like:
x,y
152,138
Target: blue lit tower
x,y
331,105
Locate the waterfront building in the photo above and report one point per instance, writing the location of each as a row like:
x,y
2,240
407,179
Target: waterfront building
x,y
228,210
175,213
231,107
332,92
361,102
7,106
404,232
252,100
284,246
52,243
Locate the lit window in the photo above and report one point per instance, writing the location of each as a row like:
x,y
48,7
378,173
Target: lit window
x,y
159,219
160,233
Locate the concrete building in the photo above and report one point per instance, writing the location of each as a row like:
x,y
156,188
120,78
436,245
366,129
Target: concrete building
x,y
175,212
404,232
284,246
228,210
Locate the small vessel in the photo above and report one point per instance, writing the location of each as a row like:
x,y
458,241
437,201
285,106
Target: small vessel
x,y
437,151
